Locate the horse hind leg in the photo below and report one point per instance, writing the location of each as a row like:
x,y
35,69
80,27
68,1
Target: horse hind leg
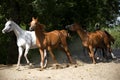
x,y
25,55
20,49
52,55
96,53
113,56
65,49
110,51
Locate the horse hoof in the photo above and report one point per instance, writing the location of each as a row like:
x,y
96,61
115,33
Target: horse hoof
x,y
56,65
18,68
114,57
98,58
94,62
30,64
74,62
41,69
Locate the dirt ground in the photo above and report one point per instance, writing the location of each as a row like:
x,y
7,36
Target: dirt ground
x,y
99,71
83,70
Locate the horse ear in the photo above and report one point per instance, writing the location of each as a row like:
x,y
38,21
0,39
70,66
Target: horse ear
x,y
10,18
33,18
6,19
37,19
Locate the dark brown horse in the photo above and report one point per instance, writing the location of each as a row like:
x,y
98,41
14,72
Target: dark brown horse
x,y
49,40
93,40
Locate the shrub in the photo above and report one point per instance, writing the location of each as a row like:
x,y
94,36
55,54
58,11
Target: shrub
x,y
115,32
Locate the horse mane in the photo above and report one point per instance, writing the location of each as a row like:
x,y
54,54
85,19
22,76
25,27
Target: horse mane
x,y
42,26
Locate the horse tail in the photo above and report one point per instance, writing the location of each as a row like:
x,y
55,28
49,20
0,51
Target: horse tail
x,y
110,37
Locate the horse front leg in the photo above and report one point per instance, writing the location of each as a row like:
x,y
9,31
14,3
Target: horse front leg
x,y
20,49
42,58
91,54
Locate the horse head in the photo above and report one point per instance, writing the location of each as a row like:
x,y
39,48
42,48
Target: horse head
x,y
8,26
73,27
33,23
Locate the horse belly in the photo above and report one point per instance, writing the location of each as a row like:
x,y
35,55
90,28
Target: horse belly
x,y
33,47
99,45
33,44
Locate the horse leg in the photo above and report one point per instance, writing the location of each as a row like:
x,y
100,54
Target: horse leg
x,y
96,53
110,51
25,55
91,53
45,57
64,43
20,49
42,58
103,53
68,54
52,55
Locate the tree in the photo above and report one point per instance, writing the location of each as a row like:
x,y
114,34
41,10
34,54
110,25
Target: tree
x,y
55,14
62,12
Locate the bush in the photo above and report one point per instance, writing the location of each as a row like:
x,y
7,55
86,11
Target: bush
x,y
115,32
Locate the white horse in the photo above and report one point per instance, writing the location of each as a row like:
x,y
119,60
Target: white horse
x,y
25,40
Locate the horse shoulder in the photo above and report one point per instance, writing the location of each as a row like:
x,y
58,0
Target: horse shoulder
x,y
33,39
25,39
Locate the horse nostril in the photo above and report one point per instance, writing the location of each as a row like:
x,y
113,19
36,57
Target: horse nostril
x,y
30,28
68,26
3,31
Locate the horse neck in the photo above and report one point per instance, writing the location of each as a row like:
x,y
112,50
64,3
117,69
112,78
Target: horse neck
x,y
17,30
39,33
82,34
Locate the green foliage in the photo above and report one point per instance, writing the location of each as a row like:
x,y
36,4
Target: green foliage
x,y
23,26
115,32
61,12
55,14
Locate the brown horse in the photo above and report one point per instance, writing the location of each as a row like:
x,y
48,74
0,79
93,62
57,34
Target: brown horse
x,y
90,40
49,40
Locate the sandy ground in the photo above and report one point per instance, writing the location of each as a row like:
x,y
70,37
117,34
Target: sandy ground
x,y
83,70
99,71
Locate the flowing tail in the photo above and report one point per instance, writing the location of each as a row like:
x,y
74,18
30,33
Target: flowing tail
x,y
110,37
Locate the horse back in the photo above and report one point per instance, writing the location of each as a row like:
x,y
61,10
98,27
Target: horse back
x,y
53,38
95,39
65,33
107,37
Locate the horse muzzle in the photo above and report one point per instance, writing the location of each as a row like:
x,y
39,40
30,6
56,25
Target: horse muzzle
x,y
6,31
68,26
3,31
31,29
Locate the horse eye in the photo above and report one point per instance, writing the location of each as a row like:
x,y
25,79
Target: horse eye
x,y
10,24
